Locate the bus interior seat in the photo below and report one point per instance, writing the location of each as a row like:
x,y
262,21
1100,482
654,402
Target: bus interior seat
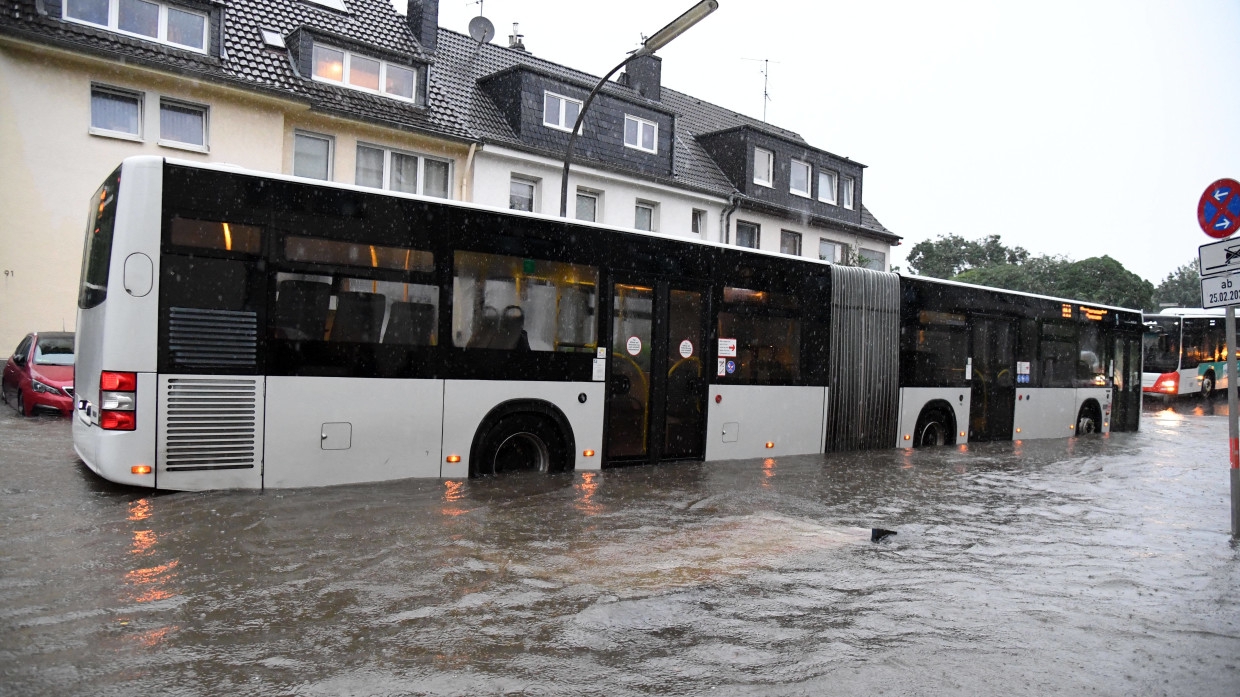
x,y
359,317
410,323
485,330
301,309
511,334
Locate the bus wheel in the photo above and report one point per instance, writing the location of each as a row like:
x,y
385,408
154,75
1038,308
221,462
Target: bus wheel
x,y
1207,384
521,443
934,427
1088,421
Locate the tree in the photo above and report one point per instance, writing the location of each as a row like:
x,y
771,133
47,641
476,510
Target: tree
x,y
950,255
1100,280
1181,287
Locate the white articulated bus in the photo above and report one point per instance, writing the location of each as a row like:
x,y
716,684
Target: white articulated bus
x,y
1185,352
245,330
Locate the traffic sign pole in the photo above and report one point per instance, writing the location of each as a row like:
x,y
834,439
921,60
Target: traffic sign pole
x,y
1233,421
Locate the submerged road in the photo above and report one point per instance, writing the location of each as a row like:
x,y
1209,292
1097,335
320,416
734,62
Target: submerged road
x,y
1101,566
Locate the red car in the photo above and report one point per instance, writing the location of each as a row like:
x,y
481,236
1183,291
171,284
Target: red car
x,y
39,374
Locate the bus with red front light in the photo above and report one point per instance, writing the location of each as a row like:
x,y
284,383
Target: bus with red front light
x,y
1184,352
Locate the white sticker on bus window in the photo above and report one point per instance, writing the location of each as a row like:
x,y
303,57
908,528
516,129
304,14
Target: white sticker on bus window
x,y
602,353
723,366
1022,367
686,348
600,369
727,348
634,345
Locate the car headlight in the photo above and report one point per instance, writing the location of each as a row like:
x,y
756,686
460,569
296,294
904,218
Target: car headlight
x,y
42,387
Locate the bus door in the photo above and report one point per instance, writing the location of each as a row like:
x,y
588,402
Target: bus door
x,y
656,392
1126,397
991,409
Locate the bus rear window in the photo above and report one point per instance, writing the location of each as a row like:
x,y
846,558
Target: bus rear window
x,y
208,234
97,249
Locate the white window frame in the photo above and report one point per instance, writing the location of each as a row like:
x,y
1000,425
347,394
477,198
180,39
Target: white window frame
x,y
770,167
346,67
697,222
598,203
848,192
331,4
138,97
653,207
560,125
161,36
809,178
386,177
827,194
641,125
882,263
791,234
331,151
531,182
838,256
181,145
757,234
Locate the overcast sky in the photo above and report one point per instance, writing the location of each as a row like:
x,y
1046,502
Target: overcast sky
x,y
1080,128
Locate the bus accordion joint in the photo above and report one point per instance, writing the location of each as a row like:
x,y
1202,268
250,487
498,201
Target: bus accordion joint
x,y
118,401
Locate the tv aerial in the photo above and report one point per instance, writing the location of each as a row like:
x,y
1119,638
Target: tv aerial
x,y
480,27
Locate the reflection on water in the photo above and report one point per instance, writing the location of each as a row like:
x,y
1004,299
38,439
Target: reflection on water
x,y
1096,565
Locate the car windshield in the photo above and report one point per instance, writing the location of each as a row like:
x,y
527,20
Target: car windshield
x,y
54,350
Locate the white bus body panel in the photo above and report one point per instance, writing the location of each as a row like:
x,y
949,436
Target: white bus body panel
x,y
323,431
914,399
750,416
210,432
1044,412
112,454
469,401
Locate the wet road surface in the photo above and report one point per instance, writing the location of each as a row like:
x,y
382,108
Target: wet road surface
x,y
1101,566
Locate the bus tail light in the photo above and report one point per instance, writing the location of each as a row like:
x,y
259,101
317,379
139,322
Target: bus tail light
x,y
1168,383
118,401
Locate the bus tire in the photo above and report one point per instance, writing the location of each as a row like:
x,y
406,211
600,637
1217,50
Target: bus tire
x,y
1207,384
1088,420
521,442
936,425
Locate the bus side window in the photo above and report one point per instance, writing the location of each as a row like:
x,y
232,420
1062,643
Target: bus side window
x,y
354,310
513,304
1058,351
767,330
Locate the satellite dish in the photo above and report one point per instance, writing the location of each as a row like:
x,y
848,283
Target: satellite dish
x,y
481,29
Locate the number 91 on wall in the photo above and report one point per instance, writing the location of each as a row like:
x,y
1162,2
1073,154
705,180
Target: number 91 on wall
x,y
1220,291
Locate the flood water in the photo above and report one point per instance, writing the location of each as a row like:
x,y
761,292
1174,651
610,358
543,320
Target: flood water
x,y
1101,566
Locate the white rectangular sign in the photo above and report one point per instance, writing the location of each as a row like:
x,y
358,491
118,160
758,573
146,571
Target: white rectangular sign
x,y
1219,257
1220,291
727,348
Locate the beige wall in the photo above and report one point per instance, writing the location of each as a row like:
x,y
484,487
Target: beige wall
x,y
50,164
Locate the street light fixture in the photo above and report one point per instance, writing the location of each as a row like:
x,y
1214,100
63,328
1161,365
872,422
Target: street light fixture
x,y
660,39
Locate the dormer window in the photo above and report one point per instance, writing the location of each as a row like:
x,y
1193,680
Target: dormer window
x,y
763,167
846,192
362,73
560,112
798,178
826,187
155,21
641,134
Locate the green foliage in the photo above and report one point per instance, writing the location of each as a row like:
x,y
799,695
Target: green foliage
x,y
1097,279
1181,287
950,255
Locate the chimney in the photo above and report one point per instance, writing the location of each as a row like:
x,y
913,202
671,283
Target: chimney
x,y
644,75
423,18
514,39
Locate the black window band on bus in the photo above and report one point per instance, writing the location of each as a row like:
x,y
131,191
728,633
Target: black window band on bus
x,y
219,235
97,248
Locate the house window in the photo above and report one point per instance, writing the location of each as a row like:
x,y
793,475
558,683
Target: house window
x,y
747,234
312,156
763,167
156,21
116,113
559,111
182,125
798,178
872,259
846,192
361,73
644,215
383,168
830,251
641,134
699,222
521,194
826,187
587,205
790,242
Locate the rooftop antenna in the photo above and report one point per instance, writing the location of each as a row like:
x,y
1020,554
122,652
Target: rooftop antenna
x,y
480,28
766,75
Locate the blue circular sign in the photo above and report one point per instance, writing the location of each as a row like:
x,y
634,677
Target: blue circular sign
x,y
731,367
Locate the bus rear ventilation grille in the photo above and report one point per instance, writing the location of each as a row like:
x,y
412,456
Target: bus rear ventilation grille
x,y
198,338
210,424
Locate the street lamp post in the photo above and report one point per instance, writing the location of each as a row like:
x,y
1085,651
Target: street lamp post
x,y
661,38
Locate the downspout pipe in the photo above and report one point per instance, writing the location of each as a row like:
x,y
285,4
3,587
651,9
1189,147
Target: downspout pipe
x,y
469,170
725,217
